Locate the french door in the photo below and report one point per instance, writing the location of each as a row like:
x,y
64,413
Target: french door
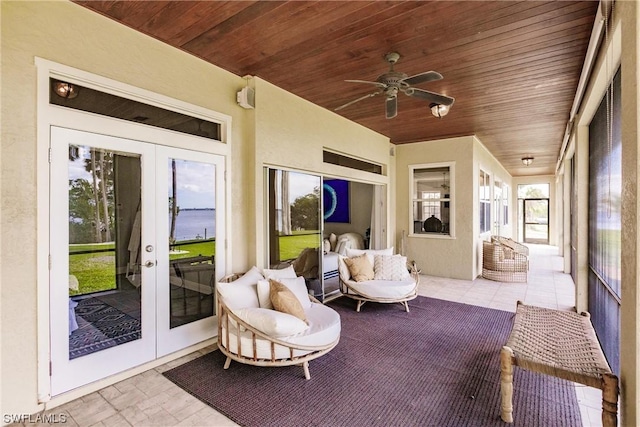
x,y
133,254
535,224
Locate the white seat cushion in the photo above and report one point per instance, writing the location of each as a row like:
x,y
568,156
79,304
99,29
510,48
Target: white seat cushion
x,y
324,329
391,289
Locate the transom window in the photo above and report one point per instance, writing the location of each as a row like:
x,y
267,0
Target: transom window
x,y
431,211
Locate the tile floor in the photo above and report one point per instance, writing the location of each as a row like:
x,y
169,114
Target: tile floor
x,y
149,399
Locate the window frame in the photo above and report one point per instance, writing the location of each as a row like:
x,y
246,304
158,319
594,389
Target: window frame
x,y
484,201
451,200
505,203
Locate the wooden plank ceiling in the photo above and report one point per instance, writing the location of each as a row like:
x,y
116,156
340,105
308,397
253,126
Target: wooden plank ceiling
x,y
513,67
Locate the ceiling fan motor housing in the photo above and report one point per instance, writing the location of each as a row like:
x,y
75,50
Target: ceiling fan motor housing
x,y
392,78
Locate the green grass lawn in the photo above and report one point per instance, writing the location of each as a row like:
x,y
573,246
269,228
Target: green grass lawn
x,y
291,246
96,270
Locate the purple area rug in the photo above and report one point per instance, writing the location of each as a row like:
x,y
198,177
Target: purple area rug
x,y
438,365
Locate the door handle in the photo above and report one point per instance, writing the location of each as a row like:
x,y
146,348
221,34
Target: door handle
x,y
149,264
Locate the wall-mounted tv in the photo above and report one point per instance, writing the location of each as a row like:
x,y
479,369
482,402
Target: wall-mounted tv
x,y
335,194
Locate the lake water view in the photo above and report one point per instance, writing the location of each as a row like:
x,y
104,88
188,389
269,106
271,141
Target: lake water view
x,y
195,224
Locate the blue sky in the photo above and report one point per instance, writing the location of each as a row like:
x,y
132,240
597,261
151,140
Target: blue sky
x,y
195,180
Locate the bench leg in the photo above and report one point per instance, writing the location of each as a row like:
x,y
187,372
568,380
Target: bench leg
x,y
609,400
506,384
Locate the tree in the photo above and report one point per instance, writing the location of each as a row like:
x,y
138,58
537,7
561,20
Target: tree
x,y
305,211
81,209
100,165
173,203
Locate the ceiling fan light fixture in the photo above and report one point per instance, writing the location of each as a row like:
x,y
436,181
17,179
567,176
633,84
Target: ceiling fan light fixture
x,y
439,110
65,90
527,161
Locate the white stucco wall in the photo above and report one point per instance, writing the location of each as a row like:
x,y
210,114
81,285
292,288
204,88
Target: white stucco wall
x,y
291,133
436,256
69,34
484,160
459,257
284,130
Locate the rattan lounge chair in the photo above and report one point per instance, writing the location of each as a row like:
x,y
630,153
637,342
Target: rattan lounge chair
x,y
380,291
512,244
247,343
503,264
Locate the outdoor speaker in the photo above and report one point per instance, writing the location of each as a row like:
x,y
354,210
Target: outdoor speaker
x,y
246,98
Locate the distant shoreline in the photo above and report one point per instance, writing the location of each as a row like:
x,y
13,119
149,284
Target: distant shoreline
x,y
197,209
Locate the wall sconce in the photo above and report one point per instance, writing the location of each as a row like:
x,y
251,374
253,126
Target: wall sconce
x,y
65,90
527,161
439,110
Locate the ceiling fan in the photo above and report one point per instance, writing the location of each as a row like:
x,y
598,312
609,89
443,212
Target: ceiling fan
x,y
445,184
393,82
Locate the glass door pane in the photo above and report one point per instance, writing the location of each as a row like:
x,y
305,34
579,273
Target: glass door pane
x,y
190,253
192,240
536,221
497,206
294,224
104,249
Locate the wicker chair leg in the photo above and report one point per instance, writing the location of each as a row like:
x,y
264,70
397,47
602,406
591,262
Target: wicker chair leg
x,y
227,363
506,384
406,306
609,400
360,304
305,366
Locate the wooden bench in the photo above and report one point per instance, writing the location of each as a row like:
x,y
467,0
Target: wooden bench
x,y
558,343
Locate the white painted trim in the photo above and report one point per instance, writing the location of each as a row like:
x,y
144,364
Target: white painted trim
x,y
124,90
48,115
43,340
452,200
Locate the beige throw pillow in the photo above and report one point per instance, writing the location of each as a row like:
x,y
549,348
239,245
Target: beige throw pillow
x,y
360,268
285,301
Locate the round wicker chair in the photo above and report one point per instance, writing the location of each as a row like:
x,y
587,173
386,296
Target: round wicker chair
x,y
380,291
243,343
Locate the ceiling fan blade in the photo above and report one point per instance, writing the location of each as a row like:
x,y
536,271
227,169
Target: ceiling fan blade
x,y
381,85
391,107
430,96
427,76
358,99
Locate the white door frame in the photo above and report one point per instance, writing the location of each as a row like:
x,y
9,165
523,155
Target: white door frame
x,y
69,374
52,115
